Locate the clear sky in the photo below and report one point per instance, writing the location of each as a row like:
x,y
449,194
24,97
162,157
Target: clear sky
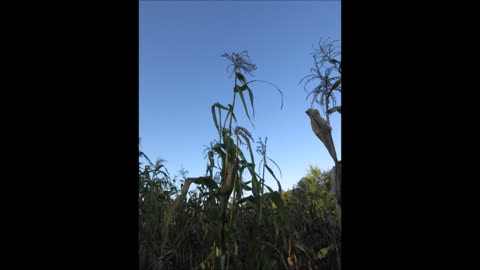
x,y
182,74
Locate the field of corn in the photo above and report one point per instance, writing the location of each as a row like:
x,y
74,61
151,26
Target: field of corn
x,y
230,218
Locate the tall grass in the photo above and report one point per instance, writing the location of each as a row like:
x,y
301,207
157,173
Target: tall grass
x,y
216,225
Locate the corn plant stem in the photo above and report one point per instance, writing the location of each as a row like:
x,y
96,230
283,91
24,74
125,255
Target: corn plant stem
x,y
326,110
326,105
261,197
233,205
335,241
230,223
233,106
261,190
224,202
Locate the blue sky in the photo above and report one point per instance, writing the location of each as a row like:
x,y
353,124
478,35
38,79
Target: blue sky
x,y
182,74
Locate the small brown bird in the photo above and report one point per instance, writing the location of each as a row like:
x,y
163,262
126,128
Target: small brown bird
x,y
323,130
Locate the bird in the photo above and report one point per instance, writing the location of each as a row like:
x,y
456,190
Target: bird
x,y
323,130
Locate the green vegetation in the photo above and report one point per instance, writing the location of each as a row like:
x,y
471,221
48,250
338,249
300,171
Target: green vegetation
x,y
215,225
